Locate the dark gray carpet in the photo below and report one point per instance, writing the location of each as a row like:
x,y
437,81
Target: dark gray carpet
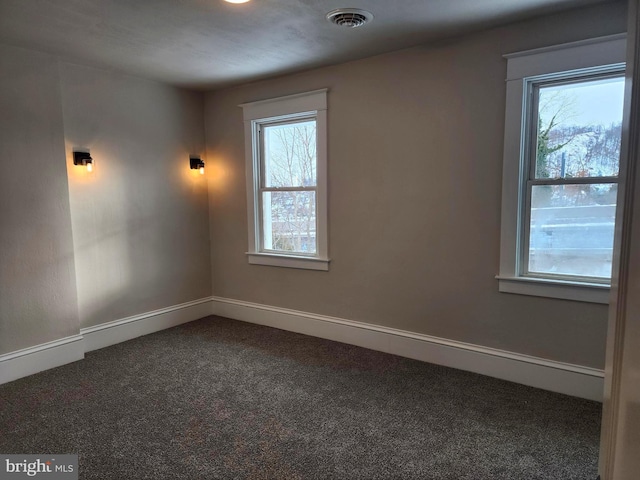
x,y
217,398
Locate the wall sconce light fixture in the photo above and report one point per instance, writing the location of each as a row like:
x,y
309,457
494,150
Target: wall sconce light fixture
x,y
196,164
84,159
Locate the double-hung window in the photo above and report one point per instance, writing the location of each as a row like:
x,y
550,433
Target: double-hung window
x,y
286,181
560,174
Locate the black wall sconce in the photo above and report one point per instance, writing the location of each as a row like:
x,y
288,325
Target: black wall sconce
x,y
196,164
84,159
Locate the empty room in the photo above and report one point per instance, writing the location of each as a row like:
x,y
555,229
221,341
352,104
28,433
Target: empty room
x,y
301,239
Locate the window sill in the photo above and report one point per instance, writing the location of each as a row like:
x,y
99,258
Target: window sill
x,y
288,261
539,287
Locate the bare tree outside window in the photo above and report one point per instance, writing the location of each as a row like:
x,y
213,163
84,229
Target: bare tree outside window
x,y
289,193
573,187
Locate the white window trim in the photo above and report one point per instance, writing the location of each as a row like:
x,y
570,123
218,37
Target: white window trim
x,y
585,54
315,103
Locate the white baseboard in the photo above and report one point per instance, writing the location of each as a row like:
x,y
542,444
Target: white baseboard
x,y
537,372
118,331
28,361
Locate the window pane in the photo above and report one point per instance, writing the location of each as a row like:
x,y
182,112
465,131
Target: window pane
x,y
290,154
571,229
289,221
579,126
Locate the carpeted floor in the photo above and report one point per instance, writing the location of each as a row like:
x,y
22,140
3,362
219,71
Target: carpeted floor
x,y
217,398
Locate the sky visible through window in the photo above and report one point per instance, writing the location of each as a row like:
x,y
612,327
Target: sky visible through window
x,y
579,129
598,101
289,217
578,136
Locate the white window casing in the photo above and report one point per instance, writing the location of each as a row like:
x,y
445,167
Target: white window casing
x,y
291,108
606,53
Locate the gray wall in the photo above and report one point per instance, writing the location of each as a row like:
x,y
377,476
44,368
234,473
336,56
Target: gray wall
x,y
140,220
37,279
415,165
136,229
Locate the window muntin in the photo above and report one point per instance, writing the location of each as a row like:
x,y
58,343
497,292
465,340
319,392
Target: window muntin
x,y
571,163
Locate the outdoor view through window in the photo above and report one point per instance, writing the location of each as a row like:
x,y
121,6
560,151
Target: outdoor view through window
x,y
288,187
573,180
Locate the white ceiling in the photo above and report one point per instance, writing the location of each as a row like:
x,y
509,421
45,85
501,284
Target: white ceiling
x,y
211,43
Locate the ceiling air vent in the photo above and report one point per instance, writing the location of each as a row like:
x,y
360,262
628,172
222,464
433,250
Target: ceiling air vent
x,y
349,17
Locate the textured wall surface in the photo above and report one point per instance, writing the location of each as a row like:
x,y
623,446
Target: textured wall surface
x,y
37,279
140,221
415,166
79,249
415,160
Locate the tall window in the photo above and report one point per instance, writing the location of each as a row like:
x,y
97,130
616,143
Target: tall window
x,y
571,191
564,162
287,185
286,181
